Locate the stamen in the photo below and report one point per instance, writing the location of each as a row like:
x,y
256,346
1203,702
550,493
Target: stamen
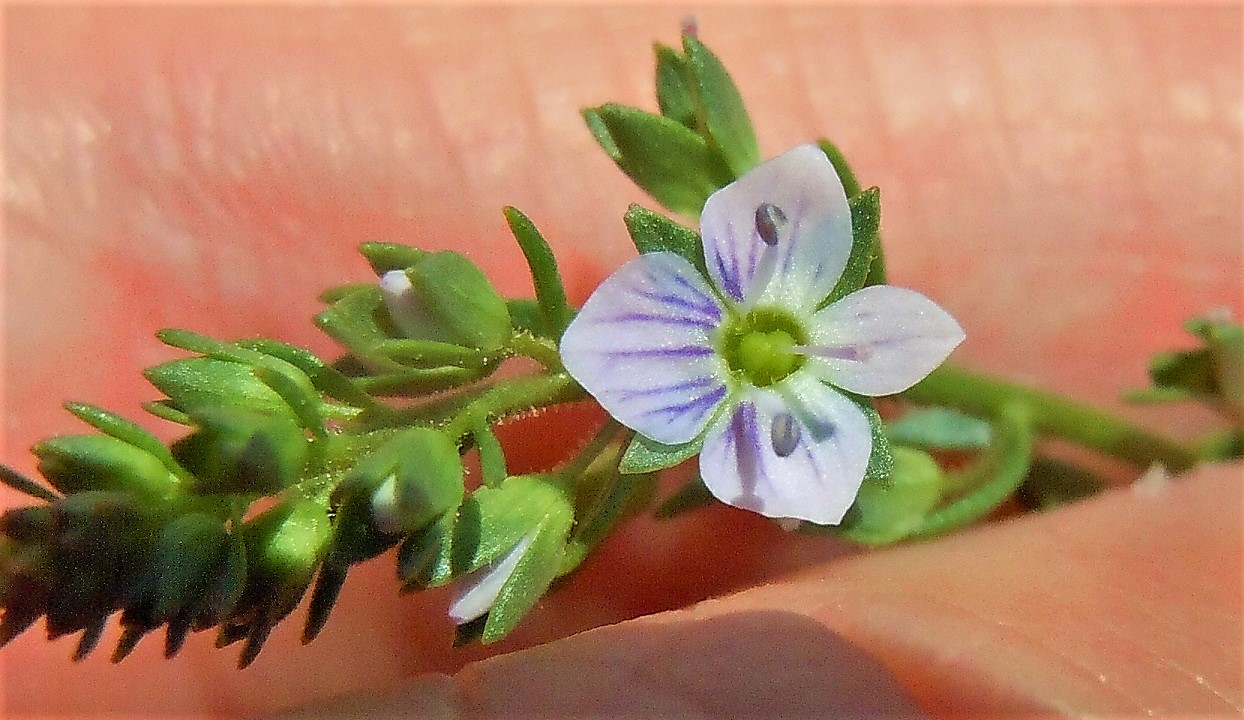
x,y
784,435
769,220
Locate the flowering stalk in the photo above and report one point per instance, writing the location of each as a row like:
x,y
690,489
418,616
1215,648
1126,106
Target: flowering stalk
x,y
756,344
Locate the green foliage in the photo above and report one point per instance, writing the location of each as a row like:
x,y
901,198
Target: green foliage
x,y
1212,373
887,512
865,245
652,232
939,428
645,455
550,295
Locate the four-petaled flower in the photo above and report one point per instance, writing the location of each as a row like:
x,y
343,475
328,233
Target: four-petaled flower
x,y
748,358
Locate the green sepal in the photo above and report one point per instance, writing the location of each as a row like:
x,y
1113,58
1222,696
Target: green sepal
x,y
241,451
24,485
673,83
653,232
865,244
939,428
427,477
285,544
1052,483
547,281
720,109
527,316
287,380
881,459
328,584
184,562
886,513
456,303
358,320
691,495
662,156
384,256
77,463
126,431
195,383
849,182
226,588
991,479
646,455
535,571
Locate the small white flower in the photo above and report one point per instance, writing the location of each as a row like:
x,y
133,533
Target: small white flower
x,y
478,590
747,357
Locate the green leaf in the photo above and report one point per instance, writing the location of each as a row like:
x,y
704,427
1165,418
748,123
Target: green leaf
x,y
939,428
673,81
324,377
550,294
242,451
621,497
720,109
693,494
491,455
669,162
527,316
849,183
359,321
416,381
865,244
429,354
645,455
653,232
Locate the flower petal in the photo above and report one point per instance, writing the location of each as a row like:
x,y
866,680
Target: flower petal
x,y
880,340
815,479
642,347
479,590
813,233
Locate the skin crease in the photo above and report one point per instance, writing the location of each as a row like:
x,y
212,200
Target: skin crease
x,y
1065,181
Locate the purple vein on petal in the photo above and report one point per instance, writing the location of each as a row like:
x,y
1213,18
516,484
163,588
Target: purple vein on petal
x,y
677,351
701,405
652,317
700,383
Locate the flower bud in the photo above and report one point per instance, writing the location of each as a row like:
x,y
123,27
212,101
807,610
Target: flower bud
x,y
447,298
242,451
184,562
383,256
884,513
76,463
424,481
285,544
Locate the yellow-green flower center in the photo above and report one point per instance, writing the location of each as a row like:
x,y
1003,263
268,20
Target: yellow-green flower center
x,y
758,346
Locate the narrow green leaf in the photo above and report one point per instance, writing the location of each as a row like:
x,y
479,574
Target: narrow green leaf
x,y
122,429
939,428
550,293
673,81
429,354
644,455
198,382
491,454
358,321
417,381
653,232
25,485
721,109
865,244
881,461
669,162
324,377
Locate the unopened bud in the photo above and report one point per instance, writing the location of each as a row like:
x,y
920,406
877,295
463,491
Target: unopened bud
x,y
447,298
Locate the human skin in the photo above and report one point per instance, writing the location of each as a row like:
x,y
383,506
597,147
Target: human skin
x,y
1066,182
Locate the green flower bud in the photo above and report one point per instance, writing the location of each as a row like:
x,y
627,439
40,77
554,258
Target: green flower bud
x,y
242,451
184,563
888,512
424,481
76,463
285,544
196,383
447,298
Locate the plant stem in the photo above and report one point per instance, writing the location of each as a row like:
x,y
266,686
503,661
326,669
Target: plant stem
x,y
541,350
983,396
511,397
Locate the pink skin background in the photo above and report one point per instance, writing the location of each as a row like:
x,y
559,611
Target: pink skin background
x,y
1066,181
